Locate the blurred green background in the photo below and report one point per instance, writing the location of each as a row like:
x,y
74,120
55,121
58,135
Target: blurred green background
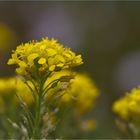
x,y
107,34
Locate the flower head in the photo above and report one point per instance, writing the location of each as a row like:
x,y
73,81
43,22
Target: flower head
x,y
9,87
79,91
82,92
36,58
128,107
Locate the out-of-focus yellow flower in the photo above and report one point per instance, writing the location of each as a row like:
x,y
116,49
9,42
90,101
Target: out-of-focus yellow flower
x,y
37,58
128,107
8,37
24,92
80,92
9,87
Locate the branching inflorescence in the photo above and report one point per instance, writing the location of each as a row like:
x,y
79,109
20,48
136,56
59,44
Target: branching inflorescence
x,y
36,62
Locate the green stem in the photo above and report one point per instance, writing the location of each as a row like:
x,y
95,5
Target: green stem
x,y
36,129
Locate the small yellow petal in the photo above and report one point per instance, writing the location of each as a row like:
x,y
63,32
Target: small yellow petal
x,y
42,61
31,57
60,58
51,52
20,71
67,55
22,64
51,68
60,65
11,61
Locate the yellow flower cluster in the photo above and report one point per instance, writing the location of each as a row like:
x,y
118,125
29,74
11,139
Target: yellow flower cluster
x,y
6,91
44,56
81,92
9,87
128,107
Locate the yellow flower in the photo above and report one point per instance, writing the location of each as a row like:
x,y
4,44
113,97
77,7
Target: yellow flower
x,y
9,87
42,61
80,91
128,107
24,92
37,58
121,108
